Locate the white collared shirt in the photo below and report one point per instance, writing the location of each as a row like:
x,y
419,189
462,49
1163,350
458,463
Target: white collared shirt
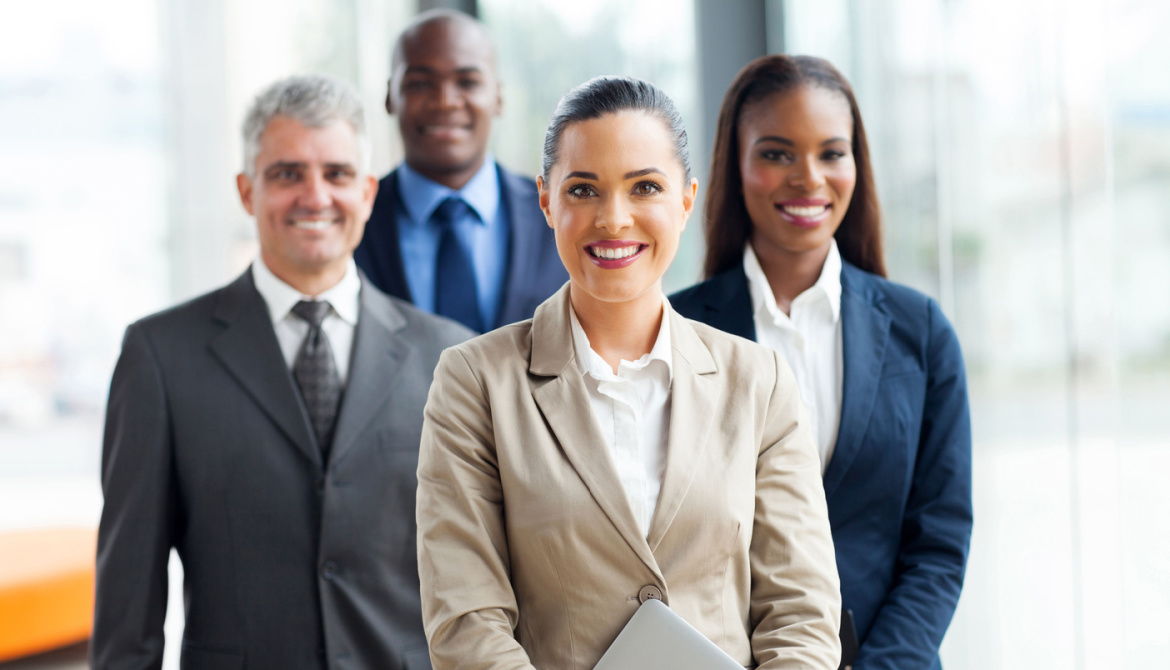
x,y
633,410
809,339
291,329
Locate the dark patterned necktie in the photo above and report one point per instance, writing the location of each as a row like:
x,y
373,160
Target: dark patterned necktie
x,y
316,373
456,293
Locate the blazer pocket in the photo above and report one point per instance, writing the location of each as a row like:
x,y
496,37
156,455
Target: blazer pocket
x,y
195,657
902,372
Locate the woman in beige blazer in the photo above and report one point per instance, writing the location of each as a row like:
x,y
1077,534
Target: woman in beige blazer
x,y
609,451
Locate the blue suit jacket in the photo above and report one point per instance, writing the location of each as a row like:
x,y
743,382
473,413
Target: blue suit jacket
x,y
899,482
534,271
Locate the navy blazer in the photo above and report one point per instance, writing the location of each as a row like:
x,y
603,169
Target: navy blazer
x,y
898,484
534,272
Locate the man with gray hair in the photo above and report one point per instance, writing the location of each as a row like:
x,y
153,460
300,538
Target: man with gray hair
x,y
268,431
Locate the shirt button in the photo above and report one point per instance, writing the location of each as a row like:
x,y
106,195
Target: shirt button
x,y
329,570
649,592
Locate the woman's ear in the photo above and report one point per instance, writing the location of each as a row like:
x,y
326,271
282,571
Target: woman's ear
x,y
689,194
545,196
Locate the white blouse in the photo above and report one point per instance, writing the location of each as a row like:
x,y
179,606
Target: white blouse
x,y
633,410
809,339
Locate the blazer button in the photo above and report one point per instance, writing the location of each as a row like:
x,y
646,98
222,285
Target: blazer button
x,y
649,592
329,570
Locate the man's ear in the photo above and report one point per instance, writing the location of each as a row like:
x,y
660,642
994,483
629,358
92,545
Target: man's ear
x,y
545,196
244,186
389,97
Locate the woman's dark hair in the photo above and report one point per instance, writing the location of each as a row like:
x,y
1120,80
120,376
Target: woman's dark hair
x,y
728,226
609,95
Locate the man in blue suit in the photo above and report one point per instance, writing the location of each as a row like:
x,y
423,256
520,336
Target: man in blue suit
x,y
451,230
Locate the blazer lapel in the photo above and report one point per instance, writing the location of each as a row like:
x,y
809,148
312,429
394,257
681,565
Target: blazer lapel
x,y
564,401
691,392
524,255
376,361
248,349
865,330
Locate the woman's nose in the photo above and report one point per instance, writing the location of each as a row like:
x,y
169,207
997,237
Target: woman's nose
x,y
807,175
613,216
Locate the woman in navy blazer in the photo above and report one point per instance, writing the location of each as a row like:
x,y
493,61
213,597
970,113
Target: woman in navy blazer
x,y
792,187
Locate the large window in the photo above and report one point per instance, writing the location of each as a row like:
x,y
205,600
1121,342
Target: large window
x,y
1022,153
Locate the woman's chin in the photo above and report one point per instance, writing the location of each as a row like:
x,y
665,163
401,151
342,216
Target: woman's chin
x,y
615,291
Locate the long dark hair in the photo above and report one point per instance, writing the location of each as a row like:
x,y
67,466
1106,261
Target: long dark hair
x,y
728,226
609,95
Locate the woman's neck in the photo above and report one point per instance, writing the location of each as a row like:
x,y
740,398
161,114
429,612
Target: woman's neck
x,y
619,330
790,273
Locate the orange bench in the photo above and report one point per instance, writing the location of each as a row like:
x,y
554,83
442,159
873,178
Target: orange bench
x,y
46,589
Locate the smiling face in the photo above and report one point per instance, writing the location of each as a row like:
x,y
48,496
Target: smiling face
x,y
310,200
617,200
444,91
796,160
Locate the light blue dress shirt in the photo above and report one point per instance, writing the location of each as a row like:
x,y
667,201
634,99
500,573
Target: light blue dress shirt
x,y
484,227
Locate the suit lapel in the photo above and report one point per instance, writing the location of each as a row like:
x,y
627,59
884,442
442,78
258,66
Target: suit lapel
x,y
691,392
248,349
387,208
865,329
565,403
524,255
376,361
729,304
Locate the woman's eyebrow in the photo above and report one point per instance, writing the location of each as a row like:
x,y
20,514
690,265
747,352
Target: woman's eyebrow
x,y
642,172
577,174
787,142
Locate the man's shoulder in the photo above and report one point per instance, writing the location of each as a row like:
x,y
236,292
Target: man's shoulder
x,y
181,317
516,181
418,326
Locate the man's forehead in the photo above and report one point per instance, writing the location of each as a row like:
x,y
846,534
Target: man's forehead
x,y
445,45
289,141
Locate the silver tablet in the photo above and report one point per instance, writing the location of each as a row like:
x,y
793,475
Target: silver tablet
x,y
658,639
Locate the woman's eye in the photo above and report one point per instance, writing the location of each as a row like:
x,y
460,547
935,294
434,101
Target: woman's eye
x,y
775,155
580,191
647,188
834,155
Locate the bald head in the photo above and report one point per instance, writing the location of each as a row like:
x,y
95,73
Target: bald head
x,y
470,27
444,91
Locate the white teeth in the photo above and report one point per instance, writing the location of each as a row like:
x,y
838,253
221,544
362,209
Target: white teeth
x,y
805,212
313,224
610,253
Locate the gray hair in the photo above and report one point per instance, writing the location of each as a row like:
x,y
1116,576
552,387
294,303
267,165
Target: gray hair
x,y
313,100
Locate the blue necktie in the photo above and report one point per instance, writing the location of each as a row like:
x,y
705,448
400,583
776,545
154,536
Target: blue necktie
x,y
456,293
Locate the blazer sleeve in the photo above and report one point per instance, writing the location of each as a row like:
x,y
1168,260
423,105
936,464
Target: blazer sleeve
x,y
469,609
795,594
936,527
138,519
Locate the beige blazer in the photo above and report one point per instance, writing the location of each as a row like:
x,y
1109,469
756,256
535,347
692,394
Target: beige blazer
x,y
529,554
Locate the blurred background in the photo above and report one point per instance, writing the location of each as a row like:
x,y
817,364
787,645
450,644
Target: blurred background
x,y
1022,153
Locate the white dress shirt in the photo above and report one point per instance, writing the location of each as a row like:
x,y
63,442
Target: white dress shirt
x,y
291,329
633,410
809,339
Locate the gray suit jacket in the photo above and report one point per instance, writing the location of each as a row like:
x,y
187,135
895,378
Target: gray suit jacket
x,y
288,562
